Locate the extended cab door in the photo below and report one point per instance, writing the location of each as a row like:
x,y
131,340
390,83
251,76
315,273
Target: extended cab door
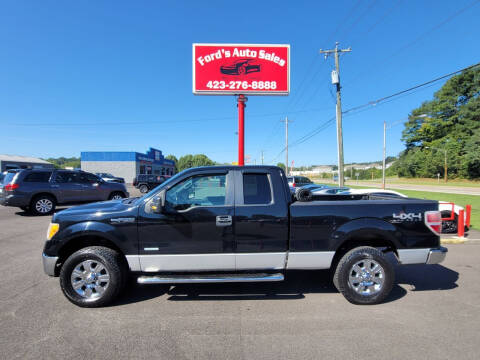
x,y
195,230
261,219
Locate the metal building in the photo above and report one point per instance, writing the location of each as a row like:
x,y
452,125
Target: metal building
x,y
8,162
127,164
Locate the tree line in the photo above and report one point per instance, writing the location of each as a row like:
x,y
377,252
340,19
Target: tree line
x,y
444,128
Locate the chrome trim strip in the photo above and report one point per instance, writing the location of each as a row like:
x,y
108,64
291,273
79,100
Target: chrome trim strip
x,y
151,249
260,261
310,260
187,262
49,263
413,256
122,220
200,279
436,256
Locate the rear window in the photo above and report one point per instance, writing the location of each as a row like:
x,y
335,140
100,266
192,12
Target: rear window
x,y
40,177
9,177
256,189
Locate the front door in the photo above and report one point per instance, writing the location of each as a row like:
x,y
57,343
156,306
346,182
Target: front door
x,y
194,231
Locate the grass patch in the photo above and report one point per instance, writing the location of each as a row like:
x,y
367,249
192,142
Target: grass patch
x,y
458,199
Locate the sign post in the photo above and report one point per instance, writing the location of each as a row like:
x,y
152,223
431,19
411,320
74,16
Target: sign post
x,y
241,129
240,70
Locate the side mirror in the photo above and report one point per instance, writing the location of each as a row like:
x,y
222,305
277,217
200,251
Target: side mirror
x,y
157,204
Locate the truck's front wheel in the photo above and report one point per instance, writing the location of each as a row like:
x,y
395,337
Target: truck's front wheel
x,y
93,276
364,276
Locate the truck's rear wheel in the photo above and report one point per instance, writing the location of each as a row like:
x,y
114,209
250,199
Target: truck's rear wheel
x,y
93,276
364,276
143,189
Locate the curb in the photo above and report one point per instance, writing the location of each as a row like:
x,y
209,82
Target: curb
x,y
453,240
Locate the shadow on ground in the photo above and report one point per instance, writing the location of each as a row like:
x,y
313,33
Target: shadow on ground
x,y
296,285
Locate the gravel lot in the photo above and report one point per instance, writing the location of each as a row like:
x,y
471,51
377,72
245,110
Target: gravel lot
x,y
433,312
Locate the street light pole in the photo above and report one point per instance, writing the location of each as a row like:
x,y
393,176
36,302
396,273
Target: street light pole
x,y
445,166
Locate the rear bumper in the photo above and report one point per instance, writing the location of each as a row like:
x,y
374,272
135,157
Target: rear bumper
x,y
422,256
14,200
436,256
49,264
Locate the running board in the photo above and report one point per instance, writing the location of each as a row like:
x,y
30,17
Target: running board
x,y
221,278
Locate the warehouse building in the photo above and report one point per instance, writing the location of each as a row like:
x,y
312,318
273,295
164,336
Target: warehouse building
x,y
127,164
8,162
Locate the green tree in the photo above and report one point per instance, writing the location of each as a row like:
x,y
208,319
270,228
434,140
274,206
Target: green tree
x,y
281,165
175,160
189,161
451,124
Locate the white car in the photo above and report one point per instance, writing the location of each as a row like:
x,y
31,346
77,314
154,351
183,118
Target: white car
x,y
448,226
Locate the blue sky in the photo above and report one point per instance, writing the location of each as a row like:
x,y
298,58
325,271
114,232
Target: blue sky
x,y
116,75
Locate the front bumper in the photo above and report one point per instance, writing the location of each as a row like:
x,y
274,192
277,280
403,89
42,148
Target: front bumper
x,y
49,264
436,256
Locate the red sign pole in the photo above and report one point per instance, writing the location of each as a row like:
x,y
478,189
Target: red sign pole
x,y
241,129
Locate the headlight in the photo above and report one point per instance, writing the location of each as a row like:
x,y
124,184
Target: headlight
x,y
52,230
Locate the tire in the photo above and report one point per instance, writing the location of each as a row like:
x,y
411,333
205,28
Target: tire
x,y
117,195
101,276
364,276
143,188
43,205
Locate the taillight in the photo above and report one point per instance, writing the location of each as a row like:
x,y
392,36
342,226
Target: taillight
x,y
11,187
294,185
433,220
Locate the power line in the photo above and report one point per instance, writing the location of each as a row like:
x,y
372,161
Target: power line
x,y
364,107
418,38
375,102
153,122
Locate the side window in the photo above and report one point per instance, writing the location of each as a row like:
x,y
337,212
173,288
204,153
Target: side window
x,y
205,190
86,178
41,177
66,177
256,189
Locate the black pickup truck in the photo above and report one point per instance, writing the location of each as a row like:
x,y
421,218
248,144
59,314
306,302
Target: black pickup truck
x,y
237,224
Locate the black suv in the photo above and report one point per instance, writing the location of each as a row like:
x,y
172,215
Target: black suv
x,y
145,183
39,191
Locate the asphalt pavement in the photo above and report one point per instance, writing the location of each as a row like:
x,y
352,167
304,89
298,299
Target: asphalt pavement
x,y
432,313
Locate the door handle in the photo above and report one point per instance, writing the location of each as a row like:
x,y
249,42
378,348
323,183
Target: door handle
x,y
224,220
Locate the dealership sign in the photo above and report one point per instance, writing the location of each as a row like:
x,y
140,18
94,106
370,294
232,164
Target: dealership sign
x,y
226,69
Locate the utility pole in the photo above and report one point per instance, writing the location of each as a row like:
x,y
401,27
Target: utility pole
x,y
262,157
336,81
286,121
384,152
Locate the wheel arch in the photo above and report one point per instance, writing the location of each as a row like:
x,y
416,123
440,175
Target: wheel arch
x,y
83,241
365,232
40,193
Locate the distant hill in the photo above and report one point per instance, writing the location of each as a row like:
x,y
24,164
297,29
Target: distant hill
x,y
63,162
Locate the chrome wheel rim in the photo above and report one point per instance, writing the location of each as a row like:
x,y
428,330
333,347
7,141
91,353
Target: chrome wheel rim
x,y
44,206
366,277
90,279
117,197
143,189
